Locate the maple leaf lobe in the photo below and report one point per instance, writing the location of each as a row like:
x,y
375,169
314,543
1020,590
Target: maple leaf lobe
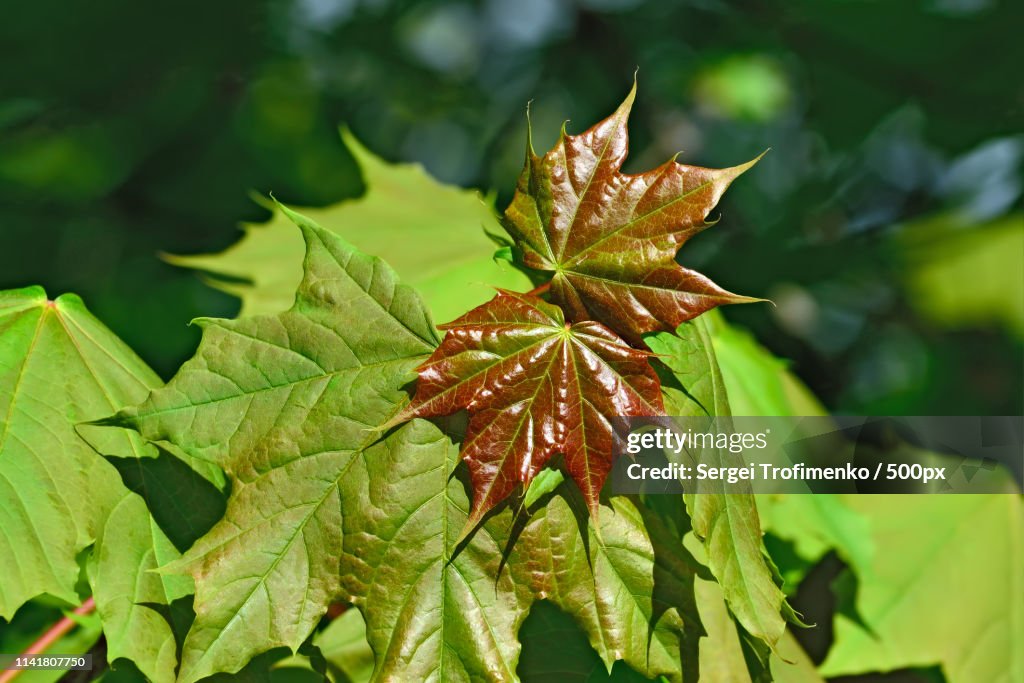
x,y
533,387
610,238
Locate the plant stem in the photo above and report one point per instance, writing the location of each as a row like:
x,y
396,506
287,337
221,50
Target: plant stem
x,y
336,609
540,289
52,635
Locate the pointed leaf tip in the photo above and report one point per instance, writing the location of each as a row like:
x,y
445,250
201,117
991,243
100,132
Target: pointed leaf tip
x,y
738,170
627,103
581,219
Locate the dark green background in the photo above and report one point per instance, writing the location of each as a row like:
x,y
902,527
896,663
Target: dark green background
x,y
129,128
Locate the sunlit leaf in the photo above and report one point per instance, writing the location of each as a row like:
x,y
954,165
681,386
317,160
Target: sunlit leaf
x,y
284,403
609,239
534,386
945,586
727,524
59,366
129,547
757,382
323,507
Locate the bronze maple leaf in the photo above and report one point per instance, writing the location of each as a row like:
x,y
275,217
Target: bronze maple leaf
x,y
533,386
609,239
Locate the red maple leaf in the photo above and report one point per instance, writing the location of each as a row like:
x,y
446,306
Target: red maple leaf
x,y
534,386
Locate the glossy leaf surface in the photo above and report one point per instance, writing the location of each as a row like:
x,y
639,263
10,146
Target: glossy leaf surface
x,y
440,609
534,386
432,612
609,239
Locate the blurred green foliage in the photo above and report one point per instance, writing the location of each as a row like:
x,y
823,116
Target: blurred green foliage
x,y
129,129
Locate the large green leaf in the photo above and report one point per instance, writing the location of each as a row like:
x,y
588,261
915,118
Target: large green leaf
x,y
324,508
817,523
169,506
945,586
439,610
284,404
432,613
694,383
726,652
728,524
436,609
432,234
628,582
64,367
59,366
758,383
938,577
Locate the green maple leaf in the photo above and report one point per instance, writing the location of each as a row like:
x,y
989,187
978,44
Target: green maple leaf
x,y
904,551
173,501
59,366
757,382
609,239
284,404
324,509
534,386
944,587
438,609
627,581
727,524
432,613
433,234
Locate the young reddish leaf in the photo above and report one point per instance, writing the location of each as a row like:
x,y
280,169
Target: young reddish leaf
x,y
610,238
534,386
